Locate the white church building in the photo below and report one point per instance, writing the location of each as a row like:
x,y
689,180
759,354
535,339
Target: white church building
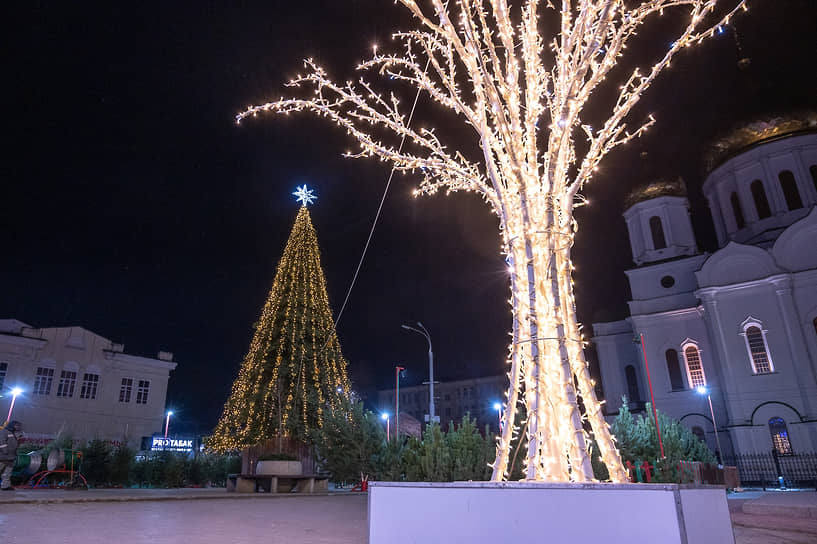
x,y
740,322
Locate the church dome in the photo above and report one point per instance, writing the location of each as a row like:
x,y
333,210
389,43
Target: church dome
x,y
756,132
766,180
663,186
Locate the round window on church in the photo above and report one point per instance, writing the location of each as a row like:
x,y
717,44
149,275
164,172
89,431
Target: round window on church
x,y
667,281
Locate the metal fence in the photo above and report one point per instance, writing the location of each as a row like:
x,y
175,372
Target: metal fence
x,y
772,470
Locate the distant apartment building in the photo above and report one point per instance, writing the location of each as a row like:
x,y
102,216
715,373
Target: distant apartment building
x,y
452,400
77,382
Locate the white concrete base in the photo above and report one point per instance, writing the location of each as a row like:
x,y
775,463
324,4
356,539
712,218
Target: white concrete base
x,y
469,512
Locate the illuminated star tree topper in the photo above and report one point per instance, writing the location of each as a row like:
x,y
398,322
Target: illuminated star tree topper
x,y
541,88
305,196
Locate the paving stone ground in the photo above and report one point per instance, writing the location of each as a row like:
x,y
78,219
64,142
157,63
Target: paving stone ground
x,y
215,517
301,520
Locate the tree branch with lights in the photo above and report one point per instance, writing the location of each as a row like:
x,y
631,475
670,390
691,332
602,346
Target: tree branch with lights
x,y
523,97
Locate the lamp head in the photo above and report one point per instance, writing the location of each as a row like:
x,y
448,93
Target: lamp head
x,y
497,406
384,416
169,413
406,327
702,390
16,391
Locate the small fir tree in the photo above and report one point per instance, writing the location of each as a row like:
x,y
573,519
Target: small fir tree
x,y
294,370
351,442
638,441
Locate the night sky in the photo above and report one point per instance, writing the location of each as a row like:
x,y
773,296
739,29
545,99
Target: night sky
x,y
135,207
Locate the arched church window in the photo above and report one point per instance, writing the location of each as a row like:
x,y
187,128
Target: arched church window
x,y
758,350
695,370
674,369
737,210
780,436
699,432
790,190
761,202
657,230
632,383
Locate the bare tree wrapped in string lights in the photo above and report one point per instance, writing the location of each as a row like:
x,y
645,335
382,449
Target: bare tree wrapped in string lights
x,y
523,95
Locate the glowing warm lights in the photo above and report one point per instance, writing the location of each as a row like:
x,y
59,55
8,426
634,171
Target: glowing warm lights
x,y
305,196
523,96
294,369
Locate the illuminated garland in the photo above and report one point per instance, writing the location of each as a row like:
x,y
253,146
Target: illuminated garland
x,y
524,102
286,377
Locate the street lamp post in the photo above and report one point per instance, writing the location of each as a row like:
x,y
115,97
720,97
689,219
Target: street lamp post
x,y
397,371
422,330
704,391
167,422
385,417
14,393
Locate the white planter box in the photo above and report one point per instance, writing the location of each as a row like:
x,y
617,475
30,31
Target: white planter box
x,y
472,512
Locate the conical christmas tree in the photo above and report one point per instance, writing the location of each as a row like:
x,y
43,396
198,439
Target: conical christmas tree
x,y
294,369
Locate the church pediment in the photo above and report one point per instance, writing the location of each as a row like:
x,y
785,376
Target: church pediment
x,y
736,263
796,248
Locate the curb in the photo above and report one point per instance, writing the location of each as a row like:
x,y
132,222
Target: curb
x,y
159,498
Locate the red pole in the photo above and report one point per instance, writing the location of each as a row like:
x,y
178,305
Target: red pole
x,y
652,398
397,370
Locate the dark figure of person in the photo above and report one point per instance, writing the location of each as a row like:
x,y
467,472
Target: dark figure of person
x,y
9,438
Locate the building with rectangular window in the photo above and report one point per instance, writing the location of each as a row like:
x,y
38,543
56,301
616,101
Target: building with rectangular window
x,y
77,382
739,324
452,400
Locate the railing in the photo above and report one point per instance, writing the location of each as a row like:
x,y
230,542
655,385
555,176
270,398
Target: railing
x,y
704,473
769,470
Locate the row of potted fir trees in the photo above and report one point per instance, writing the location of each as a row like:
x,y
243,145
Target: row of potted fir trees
x,y
352,446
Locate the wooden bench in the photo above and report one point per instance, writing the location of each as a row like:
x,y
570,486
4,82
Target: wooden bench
x,y
277,483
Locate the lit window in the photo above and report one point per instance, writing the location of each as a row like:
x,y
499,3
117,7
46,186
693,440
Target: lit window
x,y
780,436
5,366
674,369
68,380
790,191
125,389
142,392
657,231
90,382
740,222
42,383
761,202
632,383
695,370
758,350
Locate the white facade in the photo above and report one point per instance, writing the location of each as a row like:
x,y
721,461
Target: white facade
x,y
79,383
742,321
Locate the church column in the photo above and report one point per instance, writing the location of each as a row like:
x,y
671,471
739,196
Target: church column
x,y
729,394
803,173
774,193
801,363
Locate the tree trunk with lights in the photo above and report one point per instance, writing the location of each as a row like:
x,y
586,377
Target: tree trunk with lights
x,y
294,369
487,61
